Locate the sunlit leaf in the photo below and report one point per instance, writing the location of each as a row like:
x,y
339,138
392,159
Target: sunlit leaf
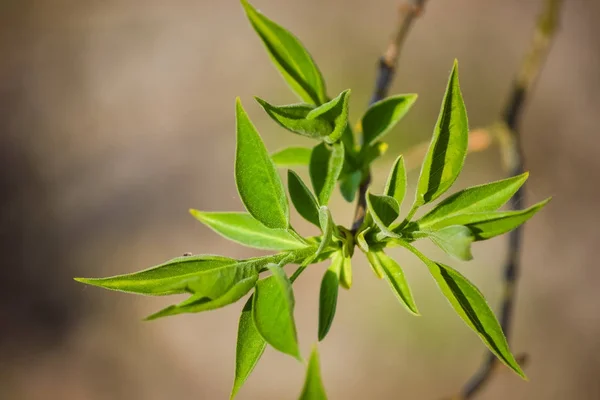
x,y
258,182
396,183
476,199
244,229
384,210
383,115
273,311
313,384
470,305
395,277
292,156
289,56
455,240
448,148
326,163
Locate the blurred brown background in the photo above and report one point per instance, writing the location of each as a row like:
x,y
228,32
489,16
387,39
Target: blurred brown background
x,y
117,116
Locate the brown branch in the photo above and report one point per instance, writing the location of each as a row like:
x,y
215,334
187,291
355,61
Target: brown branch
x,y
514,161
409,11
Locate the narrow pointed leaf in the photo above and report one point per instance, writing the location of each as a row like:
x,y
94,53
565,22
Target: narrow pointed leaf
x,y
328,294
384,210
361,241
199,303
383,115
470,305
246,230
313,384
455,240
476,199
171,277
273,312
327,227
326,163
289,56
292,156
448,148
394,275
375,264
396,183
293,117
346,273
302,199
487,225
257,180
249,349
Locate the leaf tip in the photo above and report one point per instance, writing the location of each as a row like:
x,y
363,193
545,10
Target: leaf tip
x,y
81,280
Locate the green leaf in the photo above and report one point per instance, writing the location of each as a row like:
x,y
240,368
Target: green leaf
x,y
395,277
346,273
486,225
326,163
349,184
249,349
375,264
336,112
396,183
327,227
470,305
171,277
455,240
289,56
273,309
383,115
313,385
258,183
244,229
384,210
199,302
368,154
292,156
481,198
361,241
328,294
448,148
293,117
302,199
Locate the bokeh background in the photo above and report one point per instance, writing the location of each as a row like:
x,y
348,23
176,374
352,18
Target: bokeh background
x,y
117,116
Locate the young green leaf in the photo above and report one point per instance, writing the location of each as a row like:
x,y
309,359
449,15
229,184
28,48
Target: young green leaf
x,y
361,241
396,183
487,225
249,349
336,112
244,229
349,184
289,56
302,199
476,199
327,227
384,210
395,276
383,115
171,277
199,302
455,240
273,311
375,264
448,148
326,163
470,305
292,156
293,117
346,274
313,384
329,293
258,183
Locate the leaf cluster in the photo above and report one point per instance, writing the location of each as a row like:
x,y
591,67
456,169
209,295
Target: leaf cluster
x,y
453,224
